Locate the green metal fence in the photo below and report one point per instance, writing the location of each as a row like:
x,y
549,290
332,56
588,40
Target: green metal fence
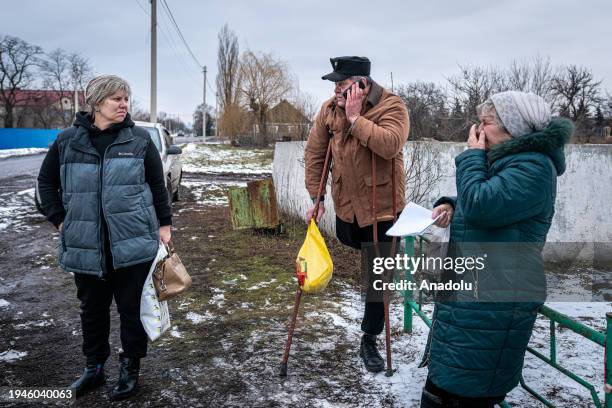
x,y
414,306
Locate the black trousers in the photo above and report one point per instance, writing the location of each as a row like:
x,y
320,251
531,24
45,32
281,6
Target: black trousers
x,y
96,295
435,397
354,236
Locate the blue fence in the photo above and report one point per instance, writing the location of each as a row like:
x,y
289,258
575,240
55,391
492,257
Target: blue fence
x,y
22,138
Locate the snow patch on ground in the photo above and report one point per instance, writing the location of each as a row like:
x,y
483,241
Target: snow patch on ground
x,y
5,153
12,355
214,159
211,193
574,352
343,312
16,208
30,324
262,284
218,298
197,318
175,333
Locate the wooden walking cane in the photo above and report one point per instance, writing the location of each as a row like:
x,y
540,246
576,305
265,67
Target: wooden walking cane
x,y
389,372
298,294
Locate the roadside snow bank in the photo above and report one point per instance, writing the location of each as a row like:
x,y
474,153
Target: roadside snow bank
x,y
5,153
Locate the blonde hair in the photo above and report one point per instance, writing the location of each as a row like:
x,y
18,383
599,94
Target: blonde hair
x,y
102,87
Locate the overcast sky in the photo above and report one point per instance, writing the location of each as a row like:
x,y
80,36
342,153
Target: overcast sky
x,y
416,40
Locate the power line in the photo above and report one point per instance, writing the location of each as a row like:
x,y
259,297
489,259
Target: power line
x,y
179,57
143,9
209,85
166,8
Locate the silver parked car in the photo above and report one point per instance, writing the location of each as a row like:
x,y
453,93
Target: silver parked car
x,y
170,157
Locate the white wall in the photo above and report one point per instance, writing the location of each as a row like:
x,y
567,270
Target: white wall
x,y
584,193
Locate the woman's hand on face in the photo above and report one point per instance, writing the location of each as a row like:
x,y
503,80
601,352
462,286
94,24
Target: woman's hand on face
x,y
446,211
165,234
476,140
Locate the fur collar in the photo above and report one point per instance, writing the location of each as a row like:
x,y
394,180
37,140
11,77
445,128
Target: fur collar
x,y
549,140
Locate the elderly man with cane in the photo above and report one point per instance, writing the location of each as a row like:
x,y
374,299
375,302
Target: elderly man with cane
x,y
367,127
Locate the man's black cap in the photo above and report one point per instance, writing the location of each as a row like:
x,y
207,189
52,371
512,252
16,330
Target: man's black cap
x,y
346,67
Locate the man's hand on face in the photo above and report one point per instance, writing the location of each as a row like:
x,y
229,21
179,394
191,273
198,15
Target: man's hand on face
x,y
354,102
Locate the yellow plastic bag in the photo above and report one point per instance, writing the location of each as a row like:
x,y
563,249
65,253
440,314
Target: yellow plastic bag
x,y
313,265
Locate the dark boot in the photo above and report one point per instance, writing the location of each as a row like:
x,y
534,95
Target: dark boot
x,y
92,378
128,378
370,355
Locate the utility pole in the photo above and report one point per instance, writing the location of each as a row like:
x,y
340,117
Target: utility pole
x,y
76,100
392,81
217,115
204,107
153,111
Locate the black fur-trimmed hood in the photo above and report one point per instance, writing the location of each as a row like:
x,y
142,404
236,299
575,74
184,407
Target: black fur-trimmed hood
x,y
549,140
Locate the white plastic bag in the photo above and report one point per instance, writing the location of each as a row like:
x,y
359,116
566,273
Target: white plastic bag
x,y
154,314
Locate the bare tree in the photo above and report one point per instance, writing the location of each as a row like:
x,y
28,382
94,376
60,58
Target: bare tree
x,y
66,75
607,106
475,84
578,96
228,67
232,122
471,87
423,171
577,91
17,59
210,119
265,81
231,118
534,75
81,71
56,72
426,104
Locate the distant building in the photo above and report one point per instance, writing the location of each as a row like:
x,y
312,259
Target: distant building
x,y
42,109
285,122
607,135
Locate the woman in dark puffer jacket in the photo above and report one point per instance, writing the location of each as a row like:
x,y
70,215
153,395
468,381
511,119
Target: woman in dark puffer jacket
x,y
506,189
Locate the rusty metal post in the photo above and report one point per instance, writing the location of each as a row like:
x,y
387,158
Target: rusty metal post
x,y
254,206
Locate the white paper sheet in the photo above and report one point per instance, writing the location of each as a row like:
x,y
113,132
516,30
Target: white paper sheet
x,y
413,221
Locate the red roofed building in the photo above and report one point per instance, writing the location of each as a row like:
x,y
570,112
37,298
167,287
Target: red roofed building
x,y
46,109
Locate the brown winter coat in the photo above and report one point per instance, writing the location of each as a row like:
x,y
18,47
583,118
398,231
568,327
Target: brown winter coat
x,y
382,128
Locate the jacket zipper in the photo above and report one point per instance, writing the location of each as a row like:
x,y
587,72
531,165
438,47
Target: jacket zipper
x,y
103,259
